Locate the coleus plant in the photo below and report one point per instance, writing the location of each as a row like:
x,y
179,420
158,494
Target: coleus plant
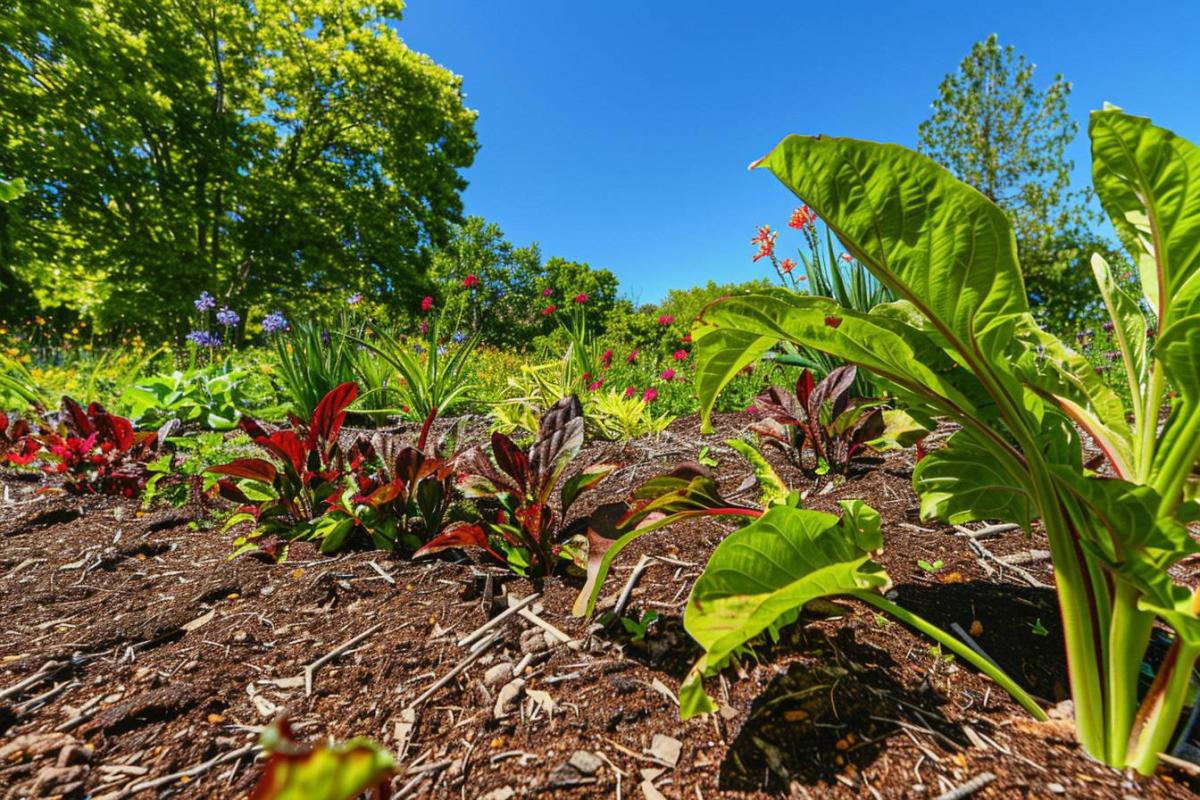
x,y
286,498
95,452
18,443
961,343
821,417
526,528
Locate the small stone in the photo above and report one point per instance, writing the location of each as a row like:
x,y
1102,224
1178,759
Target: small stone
x,y
666,749
1056,788
585,762
533,641
651,793
650,773
507,696
565,775
503,793
498,672
55,780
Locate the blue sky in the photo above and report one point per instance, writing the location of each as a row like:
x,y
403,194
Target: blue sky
x,y
618,133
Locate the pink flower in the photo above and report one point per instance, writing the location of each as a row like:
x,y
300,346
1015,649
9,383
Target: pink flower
x,y
665,319
681,355
629,391
424,327
427,304
607,358
687,338
596,385
748,369
471,281
548,310
668,374
846,257
787,265
649,395
581,298
547,292
632,357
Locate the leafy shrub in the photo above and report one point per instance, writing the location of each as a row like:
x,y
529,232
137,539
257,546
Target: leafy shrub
x,y
961,343
181,475
821,418
525,529
18,443
209,399
95,452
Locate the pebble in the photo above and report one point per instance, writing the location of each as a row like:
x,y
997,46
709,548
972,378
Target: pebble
x,y
533,640
59,780
507,695
72,755
498,672
1056,788
585,762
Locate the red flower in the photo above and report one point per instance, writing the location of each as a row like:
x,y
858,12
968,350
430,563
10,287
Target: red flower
x,y
471,281
833,322
607,358
548,310
594,386
687,338
748,369
763,236
787,265
581,298
668,374
632,357
629,391
649,395
666,319
681,355
427,304
802,217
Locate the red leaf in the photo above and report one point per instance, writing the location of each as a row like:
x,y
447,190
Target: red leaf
x,y
804,387
288,447
331,413
383,495
77,420
458,534
511,459
255,469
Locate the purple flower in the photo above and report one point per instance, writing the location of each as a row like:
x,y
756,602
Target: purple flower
x,y
228,317
205,302
355,298
1113,355
204,339
274,322
1109,327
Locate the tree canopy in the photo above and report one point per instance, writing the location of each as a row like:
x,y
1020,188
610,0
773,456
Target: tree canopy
x,y
996,130
262,150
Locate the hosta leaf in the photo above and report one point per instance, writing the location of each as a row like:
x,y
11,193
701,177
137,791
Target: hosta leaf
x,y
1148,180
760,577
964,482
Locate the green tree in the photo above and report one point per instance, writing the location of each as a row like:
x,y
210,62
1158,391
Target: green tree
x,y
262,150
996,130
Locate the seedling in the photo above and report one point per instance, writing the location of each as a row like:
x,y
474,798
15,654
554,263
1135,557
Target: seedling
x,y
637,629
1038,628
704,458
933,568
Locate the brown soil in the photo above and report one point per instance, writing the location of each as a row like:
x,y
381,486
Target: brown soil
x,y
166,655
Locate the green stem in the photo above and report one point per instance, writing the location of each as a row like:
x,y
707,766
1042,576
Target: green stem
x,y
1128,638
956,647
1161,708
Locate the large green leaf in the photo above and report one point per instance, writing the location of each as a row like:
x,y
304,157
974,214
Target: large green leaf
x,y
930,238
1148,180
964,482
332,772
760,577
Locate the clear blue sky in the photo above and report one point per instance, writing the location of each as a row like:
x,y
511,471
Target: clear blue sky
x,y
618,133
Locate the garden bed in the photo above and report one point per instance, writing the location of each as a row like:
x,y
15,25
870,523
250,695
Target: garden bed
x,y
159,656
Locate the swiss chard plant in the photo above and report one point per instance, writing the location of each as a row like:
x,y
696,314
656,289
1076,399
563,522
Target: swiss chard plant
x,y
527,525
94,452
960,343
822,418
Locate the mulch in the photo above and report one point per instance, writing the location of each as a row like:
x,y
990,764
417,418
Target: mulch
x,y
137,660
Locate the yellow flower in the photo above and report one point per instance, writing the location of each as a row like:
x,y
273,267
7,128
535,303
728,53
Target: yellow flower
x,y
3,330
40,320
25,359
12,351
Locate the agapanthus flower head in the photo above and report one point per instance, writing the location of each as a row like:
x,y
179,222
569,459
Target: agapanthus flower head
x,y
649,395
354,299
666,319
681,355
228,317
459,337
204,339
581,298
547,292
548,310
471,281
427,303
787,265
632,357
802,217
205,302
668,374
274,322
